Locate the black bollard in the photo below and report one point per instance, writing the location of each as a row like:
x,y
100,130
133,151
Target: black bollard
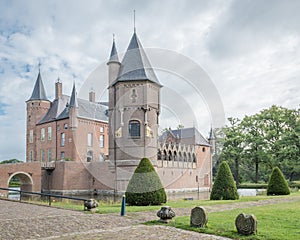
x,y
123,211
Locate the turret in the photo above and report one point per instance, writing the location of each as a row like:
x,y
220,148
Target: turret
x,y
212,141
36,107
73,109
113,64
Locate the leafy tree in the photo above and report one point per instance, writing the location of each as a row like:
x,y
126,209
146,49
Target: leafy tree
x,y
254,145
282,134
145,187
277,184
233,146
224,187
10,161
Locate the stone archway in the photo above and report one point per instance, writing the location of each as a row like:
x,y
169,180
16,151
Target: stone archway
x,y
25,180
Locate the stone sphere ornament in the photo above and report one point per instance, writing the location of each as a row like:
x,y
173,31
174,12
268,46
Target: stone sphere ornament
x,y
165,214
246,224
90,204
198,217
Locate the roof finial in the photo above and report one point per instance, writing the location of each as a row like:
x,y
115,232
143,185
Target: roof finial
x,y
113,37
40,66
134,20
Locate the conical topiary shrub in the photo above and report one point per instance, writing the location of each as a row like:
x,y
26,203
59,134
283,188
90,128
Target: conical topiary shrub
x,y
224,187
145,187
277,184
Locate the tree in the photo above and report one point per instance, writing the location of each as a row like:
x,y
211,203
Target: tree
x,y
224,187
10,161
282,134
145,187
277,184
254,145
233,146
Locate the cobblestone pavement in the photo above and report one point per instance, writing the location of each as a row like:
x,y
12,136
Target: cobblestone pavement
x,y
28,221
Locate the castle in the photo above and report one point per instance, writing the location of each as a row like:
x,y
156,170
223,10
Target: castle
x,y
85,146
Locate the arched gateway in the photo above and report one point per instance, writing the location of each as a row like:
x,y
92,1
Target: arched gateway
x,y
25,180
29,175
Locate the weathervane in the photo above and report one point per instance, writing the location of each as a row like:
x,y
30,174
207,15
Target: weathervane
x,y
134,20
40,65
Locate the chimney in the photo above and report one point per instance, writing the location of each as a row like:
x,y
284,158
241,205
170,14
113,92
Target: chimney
x,y
58,89
92,96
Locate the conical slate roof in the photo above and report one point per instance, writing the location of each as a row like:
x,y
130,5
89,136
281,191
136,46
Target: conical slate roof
x,y
113,54
73,100
211,134
135,64
38,92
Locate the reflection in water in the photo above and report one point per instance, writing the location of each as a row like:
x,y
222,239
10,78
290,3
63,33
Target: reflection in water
x,y
110,198
14,195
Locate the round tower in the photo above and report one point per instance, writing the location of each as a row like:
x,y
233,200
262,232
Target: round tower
x,y
36,108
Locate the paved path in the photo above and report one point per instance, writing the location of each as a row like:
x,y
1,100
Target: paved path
x,y
27,221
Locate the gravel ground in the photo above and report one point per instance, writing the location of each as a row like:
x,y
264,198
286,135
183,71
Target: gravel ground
x,y
28,221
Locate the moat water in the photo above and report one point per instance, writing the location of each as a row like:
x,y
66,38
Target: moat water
x,y
171,196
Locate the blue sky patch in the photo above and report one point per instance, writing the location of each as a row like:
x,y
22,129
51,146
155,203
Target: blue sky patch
x,y
2,109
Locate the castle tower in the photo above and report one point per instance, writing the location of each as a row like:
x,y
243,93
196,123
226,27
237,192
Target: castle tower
x,y
73,109
113,72
36,107
134,97
212,141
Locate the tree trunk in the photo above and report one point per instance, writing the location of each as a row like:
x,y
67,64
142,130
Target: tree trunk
x,y
236,171
256,170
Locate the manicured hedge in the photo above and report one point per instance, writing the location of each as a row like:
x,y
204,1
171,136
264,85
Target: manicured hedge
x,y
277,184
145,187
224,187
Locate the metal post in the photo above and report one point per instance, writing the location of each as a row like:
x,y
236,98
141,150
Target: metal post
x,y
123,210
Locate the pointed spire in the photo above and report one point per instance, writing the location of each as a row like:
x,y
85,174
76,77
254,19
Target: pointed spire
x,y
73,100
134,29
38,92
113,54
211,134
135,64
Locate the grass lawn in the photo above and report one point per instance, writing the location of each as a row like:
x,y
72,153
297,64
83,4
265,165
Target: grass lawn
x,y
275,221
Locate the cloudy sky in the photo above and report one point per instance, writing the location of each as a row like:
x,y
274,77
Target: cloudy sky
x,y
249,49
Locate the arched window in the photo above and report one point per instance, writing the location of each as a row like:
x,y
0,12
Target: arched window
x,y
159,155
175,156
134,129
180,157
194,157
165,155
89,156
189,157
170,155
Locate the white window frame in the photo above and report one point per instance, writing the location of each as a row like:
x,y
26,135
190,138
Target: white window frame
x,y
43,134
62,139
49,133
90,139
101,141
31,136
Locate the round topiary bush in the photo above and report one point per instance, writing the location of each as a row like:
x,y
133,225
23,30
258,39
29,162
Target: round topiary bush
x,y
145,187
277,184
224,187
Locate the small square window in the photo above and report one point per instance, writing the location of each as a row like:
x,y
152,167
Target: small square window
x,y
65,126
101,129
